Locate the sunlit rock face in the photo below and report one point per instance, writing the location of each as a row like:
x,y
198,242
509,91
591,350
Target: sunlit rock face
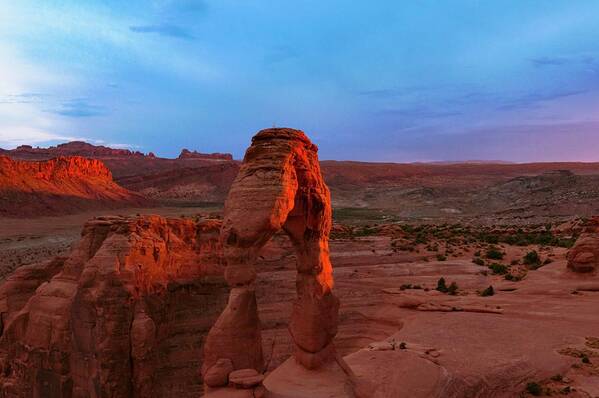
x,y
279,186
59,186
122,316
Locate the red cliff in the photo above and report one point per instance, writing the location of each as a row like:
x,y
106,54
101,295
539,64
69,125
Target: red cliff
x,y
122,316
59,186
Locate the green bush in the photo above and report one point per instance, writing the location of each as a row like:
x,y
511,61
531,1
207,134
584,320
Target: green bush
x,y
441,257
441,286
478,261
452,289
494,254
488,292
534,389
498,269
513,278
532,259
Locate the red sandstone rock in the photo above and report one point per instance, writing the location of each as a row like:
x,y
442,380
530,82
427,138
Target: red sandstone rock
x,y
218,374
122,316
584,256
279,187
245,378
61,185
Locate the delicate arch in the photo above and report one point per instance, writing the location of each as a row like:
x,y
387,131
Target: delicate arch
x,y
279,186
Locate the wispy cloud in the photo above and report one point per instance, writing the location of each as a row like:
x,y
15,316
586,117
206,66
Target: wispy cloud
x,y
534,99
79,108
549,61
168,30
391,92
419,113
22,98
541,62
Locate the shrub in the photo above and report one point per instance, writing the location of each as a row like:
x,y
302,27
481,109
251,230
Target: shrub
x,y
441,286
585,359
494,254
534,389
452,289
488,292
498,269
478,261
532,259
513,278
441,257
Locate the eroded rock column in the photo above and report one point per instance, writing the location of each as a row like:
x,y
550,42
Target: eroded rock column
x,y
279,186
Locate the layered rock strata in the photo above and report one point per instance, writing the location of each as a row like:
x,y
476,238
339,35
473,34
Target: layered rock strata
x,y
122,316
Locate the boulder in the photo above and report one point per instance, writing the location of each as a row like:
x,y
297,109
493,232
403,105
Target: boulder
x,y
583,257
218,374
246,378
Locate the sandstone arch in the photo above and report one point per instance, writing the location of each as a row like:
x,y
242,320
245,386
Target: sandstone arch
x,y
279,186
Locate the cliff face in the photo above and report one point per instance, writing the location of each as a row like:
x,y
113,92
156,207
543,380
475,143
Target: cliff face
x,y
122,316
61,185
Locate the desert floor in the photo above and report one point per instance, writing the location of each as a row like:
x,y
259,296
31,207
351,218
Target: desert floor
x,y
539,329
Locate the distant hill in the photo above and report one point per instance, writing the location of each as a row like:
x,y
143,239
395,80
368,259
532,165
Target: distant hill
x,y
66,184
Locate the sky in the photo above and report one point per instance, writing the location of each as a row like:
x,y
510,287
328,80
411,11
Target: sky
x,y
386,80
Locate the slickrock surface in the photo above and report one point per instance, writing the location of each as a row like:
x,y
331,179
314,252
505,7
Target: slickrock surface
x,y
122,316
61,185
279,187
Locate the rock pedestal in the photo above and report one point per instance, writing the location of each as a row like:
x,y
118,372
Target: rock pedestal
x,y
279,186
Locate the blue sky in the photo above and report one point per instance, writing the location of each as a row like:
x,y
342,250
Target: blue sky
x,y
380,81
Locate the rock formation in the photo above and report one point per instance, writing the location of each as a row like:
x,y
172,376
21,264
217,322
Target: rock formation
x,y
60,185
187,154
73,148
584,255
122,316
279,186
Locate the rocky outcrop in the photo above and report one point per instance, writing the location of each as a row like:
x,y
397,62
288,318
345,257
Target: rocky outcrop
x,y
187,154
584,255
279,186
73,148
123,316
58,186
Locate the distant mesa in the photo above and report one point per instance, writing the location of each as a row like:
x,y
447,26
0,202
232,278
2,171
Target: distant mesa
x,y
81,148
187,154
73,148
62,185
